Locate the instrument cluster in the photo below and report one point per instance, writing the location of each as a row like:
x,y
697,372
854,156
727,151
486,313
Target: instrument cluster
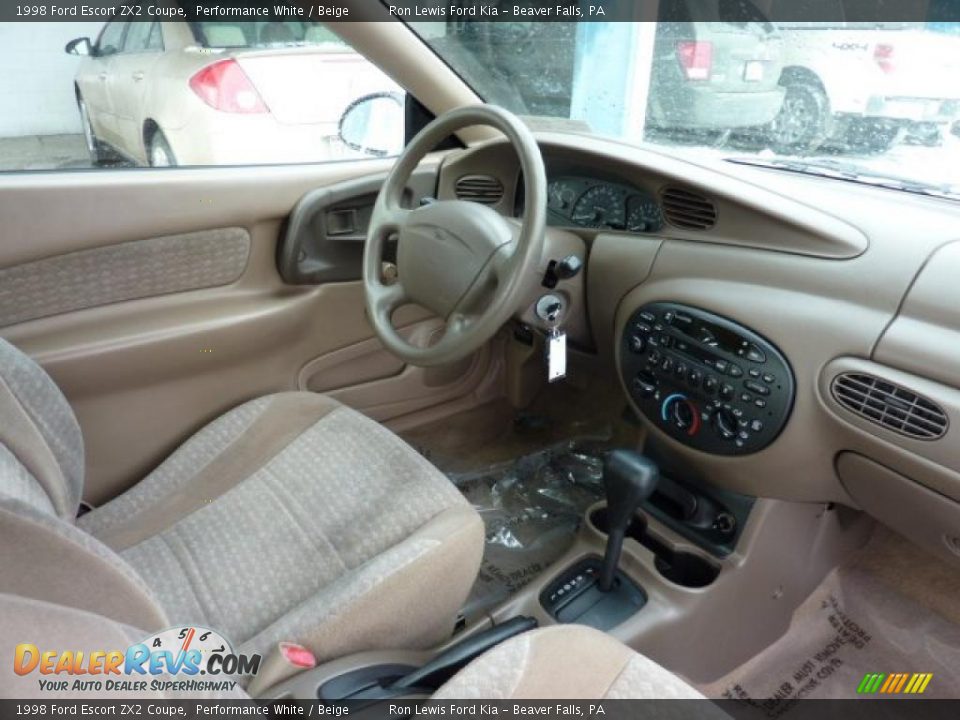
x,y
590,203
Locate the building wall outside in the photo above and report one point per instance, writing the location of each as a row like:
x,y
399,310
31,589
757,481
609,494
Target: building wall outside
x,y
36,85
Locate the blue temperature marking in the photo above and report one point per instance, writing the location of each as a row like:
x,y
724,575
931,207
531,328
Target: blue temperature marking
x,y
666,404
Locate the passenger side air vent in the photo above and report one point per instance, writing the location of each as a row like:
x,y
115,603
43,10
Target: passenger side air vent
x,y
688,210
479,189
890,406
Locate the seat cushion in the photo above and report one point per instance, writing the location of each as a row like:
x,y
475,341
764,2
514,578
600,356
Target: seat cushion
x,y
564,662
295,518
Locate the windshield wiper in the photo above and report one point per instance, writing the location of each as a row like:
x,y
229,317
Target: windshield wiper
x,y
852,173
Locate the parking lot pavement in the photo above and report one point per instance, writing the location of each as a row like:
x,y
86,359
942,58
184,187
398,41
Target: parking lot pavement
x,y
43,152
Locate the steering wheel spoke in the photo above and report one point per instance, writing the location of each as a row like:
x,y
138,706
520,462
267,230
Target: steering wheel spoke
x,y
449,233
387,298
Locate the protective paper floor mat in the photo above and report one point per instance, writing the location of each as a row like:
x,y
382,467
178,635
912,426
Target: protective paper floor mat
x,y
531,509
853,624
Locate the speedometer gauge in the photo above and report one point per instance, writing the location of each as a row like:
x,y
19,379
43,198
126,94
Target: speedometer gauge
x,y
601,206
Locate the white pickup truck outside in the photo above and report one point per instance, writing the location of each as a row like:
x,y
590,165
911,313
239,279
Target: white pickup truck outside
x,y
863,85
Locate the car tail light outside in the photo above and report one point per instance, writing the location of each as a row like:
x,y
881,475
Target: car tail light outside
x,y
696,59
225,86
883,56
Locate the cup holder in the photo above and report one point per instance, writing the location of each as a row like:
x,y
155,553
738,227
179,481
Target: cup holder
x,y
678,566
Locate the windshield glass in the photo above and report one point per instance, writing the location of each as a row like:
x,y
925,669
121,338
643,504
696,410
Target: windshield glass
x,y
875,102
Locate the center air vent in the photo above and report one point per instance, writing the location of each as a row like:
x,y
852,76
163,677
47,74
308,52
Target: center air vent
x,y
479,189
890,406
688,210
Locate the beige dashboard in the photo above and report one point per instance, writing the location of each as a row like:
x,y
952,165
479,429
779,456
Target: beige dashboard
x,y
843,279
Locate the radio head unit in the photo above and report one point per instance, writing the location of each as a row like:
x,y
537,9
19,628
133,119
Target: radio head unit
x,y
705,380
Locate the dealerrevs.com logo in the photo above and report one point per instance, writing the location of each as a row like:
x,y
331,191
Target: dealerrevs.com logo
x,y
190,659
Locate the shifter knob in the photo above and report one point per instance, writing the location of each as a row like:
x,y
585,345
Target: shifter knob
x,y
629,479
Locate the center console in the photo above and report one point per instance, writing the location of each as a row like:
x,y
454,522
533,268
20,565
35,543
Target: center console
x,y
706,381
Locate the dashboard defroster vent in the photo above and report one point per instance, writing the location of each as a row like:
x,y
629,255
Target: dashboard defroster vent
x,y
482,189
688,210
890,406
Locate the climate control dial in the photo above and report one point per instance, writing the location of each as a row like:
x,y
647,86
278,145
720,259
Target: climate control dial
x,y
682,413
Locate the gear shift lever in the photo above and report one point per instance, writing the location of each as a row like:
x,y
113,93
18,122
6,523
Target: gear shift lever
x,y
629,479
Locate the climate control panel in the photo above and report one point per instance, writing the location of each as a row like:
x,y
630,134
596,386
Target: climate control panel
x,y
705,380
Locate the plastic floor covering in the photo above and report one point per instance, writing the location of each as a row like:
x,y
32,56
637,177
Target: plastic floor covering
x,y
531,509
854,624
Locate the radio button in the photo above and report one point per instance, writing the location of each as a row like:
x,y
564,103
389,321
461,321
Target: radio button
x,y
755,354
726,391
637,344
644,385
756,387
695,377
683,319
768,378
710,384
648,317
735,371
680,370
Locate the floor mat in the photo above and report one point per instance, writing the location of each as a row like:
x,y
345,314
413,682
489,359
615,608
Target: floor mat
x,y
531,510
855,623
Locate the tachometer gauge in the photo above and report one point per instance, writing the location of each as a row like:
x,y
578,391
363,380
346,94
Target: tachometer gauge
x,y
601,206
644,215
560,196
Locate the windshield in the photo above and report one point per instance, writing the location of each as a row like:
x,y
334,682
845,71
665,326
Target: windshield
x,y
875,102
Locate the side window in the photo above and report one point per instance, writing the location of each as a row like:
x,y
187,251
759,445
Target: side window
x,y
195,93
111,39
139,37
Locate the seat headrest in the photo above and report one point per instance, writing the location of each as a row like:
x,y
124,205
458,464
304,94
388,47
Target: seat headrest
x,y
41,448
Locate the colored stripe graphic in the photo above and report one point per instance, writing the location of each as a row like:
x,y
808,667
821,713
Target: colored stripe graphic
x,y
894,683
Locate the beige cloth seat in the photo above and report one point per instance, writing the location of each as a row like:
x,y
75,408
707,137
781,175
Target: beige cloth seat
x,y
564,662
289,518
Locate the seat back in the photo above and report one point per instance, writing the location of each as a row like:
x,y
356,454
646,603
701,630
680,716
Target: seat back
x,y
41,448
45,556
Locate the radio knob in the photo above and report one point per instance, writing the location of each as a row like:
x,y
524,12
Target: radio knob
x,y
725,423
637,344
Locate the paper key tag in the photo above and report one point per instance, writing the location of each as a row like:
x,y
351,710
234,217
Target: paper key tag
x,y
556,356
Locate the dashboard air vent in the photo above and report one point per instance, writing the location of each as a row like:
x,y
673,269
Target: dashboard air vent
x,y
890,406
479,189
688,210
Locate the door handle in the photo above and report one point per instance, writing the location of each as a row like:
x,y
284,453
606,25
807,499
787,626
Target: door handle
x,y
138,75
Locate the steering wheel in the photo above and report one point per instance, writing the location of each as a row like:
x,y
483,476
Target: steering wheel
x,y
461,260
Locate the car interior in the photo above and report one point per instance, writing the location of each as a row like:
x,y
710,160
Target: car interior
x,y
408,414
